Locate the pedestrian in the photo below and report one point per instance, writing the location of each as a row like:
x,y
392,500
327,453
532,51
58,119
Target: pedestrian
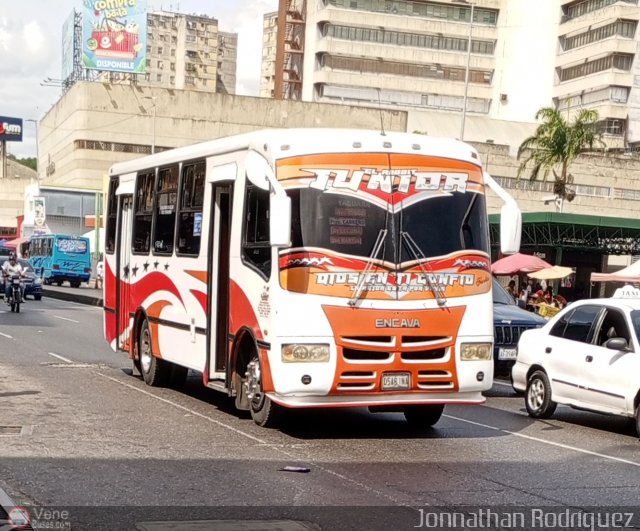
x,y
511,288
99,272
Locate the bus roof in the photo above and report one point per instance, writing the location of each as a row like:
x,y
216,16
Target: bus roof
x,y
274,144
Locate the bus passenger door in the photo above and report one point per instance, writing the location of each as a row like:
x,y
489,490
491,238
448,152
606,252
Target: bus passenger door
x,y
123,288
218,311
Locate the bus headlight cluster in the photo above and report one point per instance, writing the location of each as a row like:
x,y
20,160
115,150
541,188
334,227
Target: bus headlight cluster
x,y
302,353
476,351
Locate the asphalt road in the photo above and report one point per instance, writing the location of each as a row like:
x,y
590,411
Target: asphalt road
x,y
79,433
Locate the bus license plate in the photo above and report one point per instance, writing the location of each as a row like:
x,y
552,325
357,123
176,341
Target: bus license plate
x,y
507,353
396,380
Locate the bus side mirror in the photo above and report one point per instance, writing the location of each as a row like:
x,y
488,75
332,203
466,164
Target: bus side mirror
x,y
510,228
280,220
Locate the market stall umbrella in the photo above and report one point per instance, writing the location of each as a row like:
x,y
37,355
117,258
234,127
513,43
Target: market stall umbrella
x,y
630,274
518,263
551,273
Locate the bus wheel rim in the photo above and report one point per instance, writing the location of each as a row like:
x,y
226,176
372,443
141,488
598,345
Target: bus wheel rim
x,y
145,351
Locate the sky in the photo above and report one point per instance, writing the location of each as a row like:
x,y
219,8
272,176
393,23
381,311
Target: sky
x,y
31,51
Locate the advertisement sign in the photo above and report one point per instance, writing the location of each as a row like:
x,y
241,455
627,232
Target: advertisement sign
x,y
10,129
39,212
68,46
114,35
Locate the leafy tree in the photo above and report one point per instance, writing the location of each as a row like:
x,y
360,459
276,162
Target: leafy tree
x,y
31,162
556,144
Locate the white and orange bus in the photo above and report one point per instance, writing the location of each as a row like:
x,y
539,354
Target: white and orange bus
x,y
308,268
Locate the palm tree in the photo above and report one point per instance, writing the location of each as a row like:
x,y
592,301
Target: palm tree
x,y
557,142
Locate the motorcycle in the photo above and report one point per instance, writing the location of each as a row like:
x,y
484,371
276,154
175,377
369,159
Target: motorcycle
x,y
13,293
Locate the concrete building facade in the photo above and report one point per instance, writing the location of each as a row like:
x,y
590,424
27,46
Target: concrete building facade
x,y
597,65
227,62
95,125
186,52
269,42
12,187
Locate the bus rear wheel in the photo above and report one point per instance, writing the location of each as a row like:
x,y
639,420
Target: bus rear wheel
x,y
75,283
264,411
155,371
424,416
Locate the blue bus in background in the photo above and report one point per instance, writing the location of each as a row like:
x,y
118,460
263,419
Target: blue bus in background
x,y
56,258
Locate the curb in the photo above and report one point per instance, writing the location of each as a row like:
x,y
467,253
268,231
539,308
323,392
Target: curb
x,y
72,297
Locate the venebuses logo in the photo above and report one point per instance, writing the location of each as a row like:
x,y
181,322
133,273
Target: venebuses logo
x,y
19,518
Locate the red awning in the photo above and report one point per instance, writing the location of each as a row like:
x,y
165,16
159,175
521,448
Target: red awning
x,y
13,244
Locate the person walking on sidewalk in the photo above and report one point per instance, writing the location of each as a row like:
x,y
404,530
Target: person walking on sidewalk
x,y
99,272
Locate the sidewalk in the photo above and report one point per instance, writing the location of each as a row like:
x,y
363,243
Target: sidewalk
x,y
85,294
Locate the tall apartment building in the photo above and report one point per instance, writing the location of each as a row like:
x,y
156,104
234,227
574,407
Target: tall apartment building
x,y
597,64
186,52
269,42
227,62
415,53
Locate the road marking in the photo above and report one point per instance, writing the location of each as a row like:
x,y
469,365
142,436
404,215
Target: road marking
x,y
6,335
545,441
275,447
66,360
67,319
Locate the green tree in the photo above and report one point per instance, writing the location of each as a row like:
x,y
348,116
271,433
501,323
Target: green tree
x,y
556,144
28,162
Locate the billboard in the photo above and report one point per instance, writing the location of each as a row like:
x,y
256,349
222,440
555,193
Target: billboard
x,y
114,35
39,212
68,46
10,129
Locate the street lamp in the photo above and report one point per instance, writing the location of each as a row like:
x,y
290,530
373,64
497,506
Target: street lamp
x,y
37,149
466,73
153,102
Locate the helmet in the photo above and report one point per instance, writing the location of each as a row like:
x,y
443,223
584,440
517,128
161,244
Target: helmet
x,y
12,256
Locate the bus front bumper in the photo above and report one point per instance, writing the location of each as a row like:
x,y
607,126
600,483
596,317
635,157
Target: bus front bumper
x,y
377,400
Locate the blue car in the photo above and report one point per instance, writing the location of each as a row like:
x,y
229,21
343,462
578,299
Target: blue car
x,y
509,321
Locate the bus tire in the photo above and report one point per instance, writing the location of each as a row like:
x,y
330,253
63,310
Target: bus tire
x,y
423,416
155,371
264,411
75,283
37,297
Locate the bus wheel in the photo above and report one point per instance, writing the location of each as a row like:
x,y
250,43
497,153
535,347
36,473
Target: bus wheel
x,y
421,417
155,371
75,283
264,412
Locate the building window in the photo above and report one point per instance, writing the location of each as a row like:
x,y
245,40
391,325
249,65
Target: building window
x,y
190,216
611,126
582,8
374,66
420,9
165,211
159,50
143,212
620,28
613,61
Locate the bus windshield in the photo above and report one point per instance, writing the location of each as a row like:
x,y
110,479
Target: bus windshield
x,y
71,246
347,225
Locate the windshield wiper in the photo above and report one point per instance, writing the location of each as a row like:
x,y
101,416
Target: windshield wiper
x,y
419,256
374,254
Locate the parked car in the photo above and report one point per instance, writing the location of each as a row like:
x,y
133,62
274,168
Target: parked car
x,y
32,283
587,356
509,322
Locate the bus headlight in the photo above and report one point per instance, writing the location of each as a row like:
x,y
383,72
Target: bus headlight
x,y
301,353
476,351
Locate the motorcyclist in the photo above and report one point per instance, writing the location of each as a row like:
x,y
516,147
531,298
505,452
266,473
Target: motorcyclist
x,y
9,268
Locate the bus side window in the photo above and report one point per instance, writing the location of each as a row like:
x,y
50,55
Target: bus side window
x,y
112,216
144,211
256,249
190,216
165,211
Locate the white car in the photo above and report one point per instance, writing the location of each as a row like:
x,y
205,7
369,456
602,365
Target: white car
x,y
587,356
